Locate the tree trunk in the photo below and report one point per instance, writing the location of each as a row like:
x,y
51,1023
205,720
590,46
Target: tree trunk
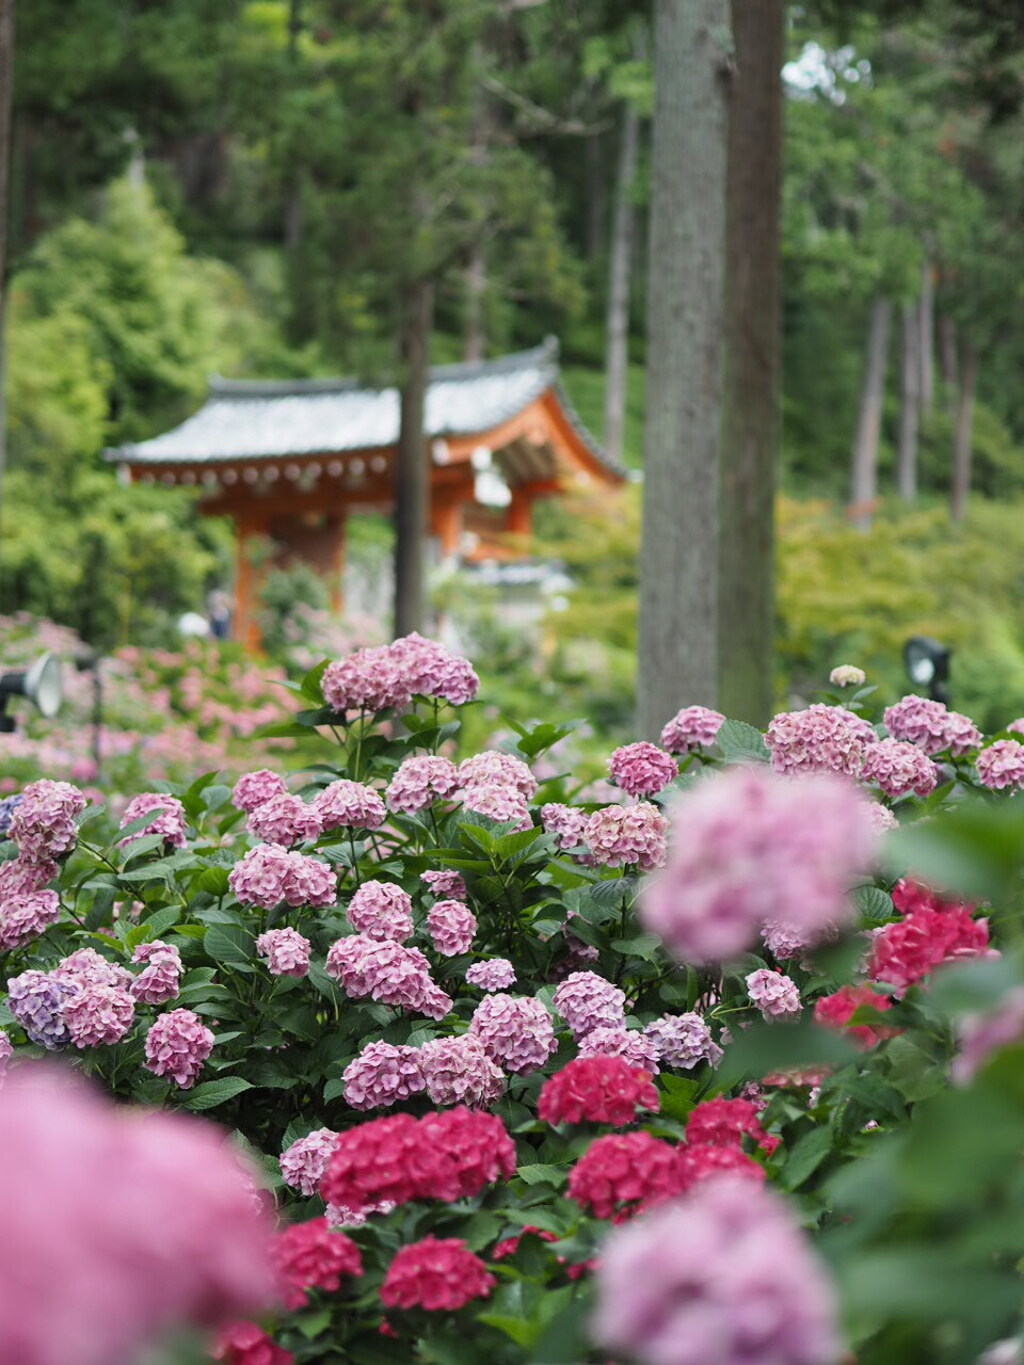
x,y
6,88
617,329
926,348
412,467
678,636
476,285
911,398
962,434
947,355
751,412
597,196
869,423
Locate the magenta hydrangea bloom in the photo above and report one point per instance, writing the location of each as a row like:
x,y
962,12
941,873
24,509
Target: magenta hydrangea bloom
x,y
724,1274
285,951
381,910
159,980
177,1045
303,1163
170,822
619,835
568,822
87,967
268,875
369,680
642,769
694,727
382,1075
459,1071
775,995
36,1000
387,972
431,670
683,1040
285,820
22,877
750,848
496,974
932,726
97,1015
494,768
24,918
43,825
515,1032
444,885
820,739
254,789
899,769
349,805
451,926
503,804
587,1001
1001,765
634,1047
420,781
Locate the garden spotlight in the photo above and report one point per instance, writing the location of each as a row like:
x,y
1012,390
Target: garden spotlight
x,y
41,684
927,665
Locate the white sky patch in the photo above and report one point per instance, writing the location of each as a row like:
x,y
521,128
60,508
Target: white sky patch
x,y
818,72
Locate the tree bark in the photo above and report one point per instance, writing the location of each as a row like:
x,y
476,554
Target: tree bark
x,y
751,411
616,369
926,348
869,423
6,92
412,467
948,358
962,434
476,284
911,398
678,635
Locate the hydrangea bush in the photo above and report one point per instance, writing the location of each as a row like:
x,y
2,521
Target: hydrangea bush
x,y
728,1068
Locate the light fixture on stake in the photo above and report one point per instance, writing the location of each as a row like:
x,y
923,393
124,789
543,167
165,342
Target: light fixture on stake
x,y
927,665
40,683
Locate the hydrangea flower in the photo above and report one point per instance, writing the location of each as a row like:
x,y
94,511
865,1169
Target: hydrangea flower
x,y
285,820
496,974
980,1035
87,967
420,781
311,1256
349,805
1001,765
177,1045
694,727
899,769
451,926
382,1075
514,1031
587,1001
568,822
304,1162
622,1173
500,803
22,877
786,941
97,1015
436,1274
23,918
820,739
6,1053
775,995
36,1001
444,885
932,726
697,1162
431,670
43,824
388,973
170,821
909,949
494,768
160,978
253,789
619,835
642,769
683,1040
268,875
371,679
285,951
618,1041
381,910
724,1123
459,1071
8,806
600,1089
246,1343
836,1011
847,675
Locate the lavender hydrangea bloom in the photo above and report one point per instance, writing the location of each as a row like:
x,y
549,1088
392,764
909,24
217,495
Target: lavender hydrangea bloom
x,y
177,1045
159,979
6,1053
587,1001
618,1041
459,1071
515,1032
683,1040
303,1163
7,808
24,918
775,995
382,1075
37,1002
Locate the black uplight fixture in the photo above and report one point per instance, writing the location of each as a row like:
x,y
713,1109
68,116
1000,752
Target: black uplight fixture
x,y
927,665
40,684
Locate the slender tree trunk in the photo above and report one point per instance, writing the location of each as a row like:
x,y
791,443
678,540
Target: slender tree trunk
x,y
616,369
926,340
751,414
597,196
476,284
6,90
962,434
869,423
412,468
948,358
911,400
678,658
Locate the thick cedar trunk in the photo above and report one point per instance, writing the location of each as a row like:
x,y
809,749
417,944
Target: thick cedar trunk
x,y
751,416
617,330
869,423
597,196
911,400
948,359
678,636
412,467
476,283
6,86
962,434
926,341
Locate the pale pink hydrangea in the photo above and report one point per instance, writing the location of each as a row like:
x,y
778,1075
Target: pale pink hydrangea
x,y
451,926
284,820
587,1001
496,974
381,910
22,877
387,972
371,679
514,1031
177,1045
1001,765
642,769
620,835
444,885
43,825
694,727
98,1015
634,1047
87,967
420,781
431,670
382,1075
775,995
6,1053
785,941
683,1040
752,848
268,875
494,768
160,978
724,1275
847,675
1016,727
899,769
931,726
820,739
254,789
285,951
568,822
435,1003
882,819
303,1163
24,918
349,805
502,804
459,1071
980,1035
170,821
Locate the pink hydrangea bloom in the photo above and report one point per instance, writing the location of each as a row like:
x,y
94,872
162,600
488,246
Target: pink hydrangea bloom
x,y
349,805
97,1015
388,973
724,1275
694,727
22,877
444,885
750,848
500,803
1016,727
899,768
159,980
515,1032
253,789
435,1274
170,822
683,1040
909,949
620,835
931,726
285,951
6,1053
587,1001
284,820
494,768
980,1035
36,1000
1001,765
431,670
87,967
246,1343
786,941
24,918
496,974
618,1041
368,680
820,739
847,675
568,822
420,781
775,995
642,769
883,819
459,1071
177,1045
382,1075
451,926
268,875
303,1163
381,910
43,825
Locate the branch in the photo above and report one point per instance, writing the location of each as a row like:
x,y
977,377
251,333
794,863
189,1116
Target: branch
x,y
542,120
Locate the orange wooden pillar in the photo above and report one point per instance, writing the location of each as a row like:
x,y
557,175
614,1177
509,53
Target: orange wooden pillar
x,y
244,626
446,520
519,516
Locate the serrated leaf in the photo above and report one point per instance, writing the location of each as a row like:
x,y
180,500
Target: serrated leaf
x,y
807,1155
541,1174
219,1091
230,944
739,742
873,903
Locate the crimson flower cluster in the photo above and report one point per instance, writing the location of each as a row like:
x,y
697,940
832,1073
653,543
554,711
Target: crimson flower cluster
x,y
437,1274
596,1090
312,1256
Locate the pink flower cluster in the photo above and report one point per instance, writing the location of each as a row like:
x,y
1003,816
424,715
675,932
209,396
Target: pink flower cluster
x,y
899,768
694,727
24,917
43,825
909,949
349,805
1001,765
159,980
305,1161
642,769
98,1015
246,1343
620,835
452,926
502,804
980,1035
567,822
494,768
683,1040
496,974
312,1256
387,972
459,1071
514,1031
598,1089
622,1173
751,847
170,820
268,875
932,726
177,1045
836,1010
436,1274
382,1075
420,781
254,789
391,675
724,1123
381,910
587,1001
22,877
820,739
285,951
444,884
284,820
615,1040
775,995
